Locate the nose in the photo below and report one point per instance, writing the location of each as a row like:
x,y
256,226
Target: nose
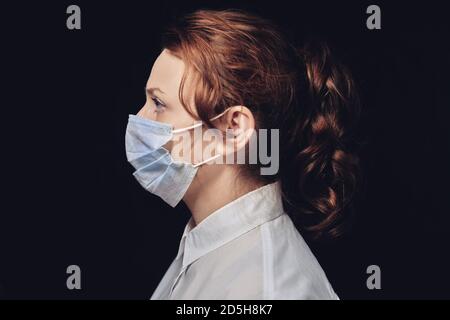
x,y
147,113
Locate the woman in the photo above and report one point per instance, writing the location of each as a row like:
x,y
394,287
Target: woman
x,y
237,74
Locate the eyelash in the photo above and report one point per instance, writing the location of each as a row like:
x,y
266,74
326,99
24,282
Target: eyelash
x,y
158,104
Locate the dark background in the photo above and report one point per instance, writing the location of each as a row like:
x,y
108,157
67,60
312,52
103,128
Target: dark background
x,y
68,194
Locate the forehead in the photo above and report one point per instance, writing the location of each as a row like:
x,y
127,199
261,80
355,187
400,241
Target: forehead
x,y
166,73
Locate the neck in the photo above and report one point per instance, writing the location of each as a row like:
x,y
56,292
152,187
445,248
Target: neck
x,y
212,189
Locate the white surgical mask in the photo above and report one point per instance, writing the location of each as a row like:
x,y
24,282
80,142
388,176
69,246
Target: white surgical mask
x,y
156,170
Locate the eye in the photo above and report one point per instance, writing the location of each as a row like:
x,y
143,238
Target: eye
x,y
158,104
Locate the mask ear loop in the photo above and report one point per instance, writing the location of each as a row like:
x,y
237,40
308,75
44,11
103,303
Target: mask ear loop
x,y
207,160
197,125
219,115
217,155
187,128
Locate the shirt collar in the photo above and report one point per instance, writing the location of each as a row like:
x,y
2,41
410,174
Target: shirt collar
x,y
229,222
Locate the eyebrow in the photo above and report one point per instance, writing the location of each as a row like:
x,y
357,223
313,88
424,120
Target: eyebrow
x,y
152,90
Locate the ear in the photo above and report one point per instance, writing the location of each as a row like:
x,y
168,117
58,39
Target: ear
x,y
238,123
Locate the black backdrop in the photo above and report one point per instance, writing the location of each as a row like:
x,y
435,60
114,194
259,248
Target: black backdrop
x,y
68,194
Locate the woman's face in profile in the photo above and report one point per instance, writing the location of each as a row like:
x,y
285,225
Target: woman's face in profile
x,y
162,92
163,105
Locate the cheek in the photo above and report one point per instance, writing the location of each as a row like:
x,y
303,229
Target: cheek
x,y
180,147
189,148
213,143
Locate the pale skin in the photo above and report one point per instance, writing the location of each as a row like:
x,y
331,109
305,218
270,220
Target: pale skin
x,y
214,185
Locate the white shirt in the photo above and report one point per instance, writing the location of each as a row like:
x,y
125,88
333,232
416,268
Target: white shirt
x,y
248,249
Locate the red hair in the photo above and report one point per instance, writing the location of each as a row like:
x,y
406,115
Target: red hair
x,y
237,58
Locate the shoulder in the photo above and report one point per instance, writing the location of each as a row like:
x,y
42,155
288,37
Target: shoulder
x,y
270,261
290,269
